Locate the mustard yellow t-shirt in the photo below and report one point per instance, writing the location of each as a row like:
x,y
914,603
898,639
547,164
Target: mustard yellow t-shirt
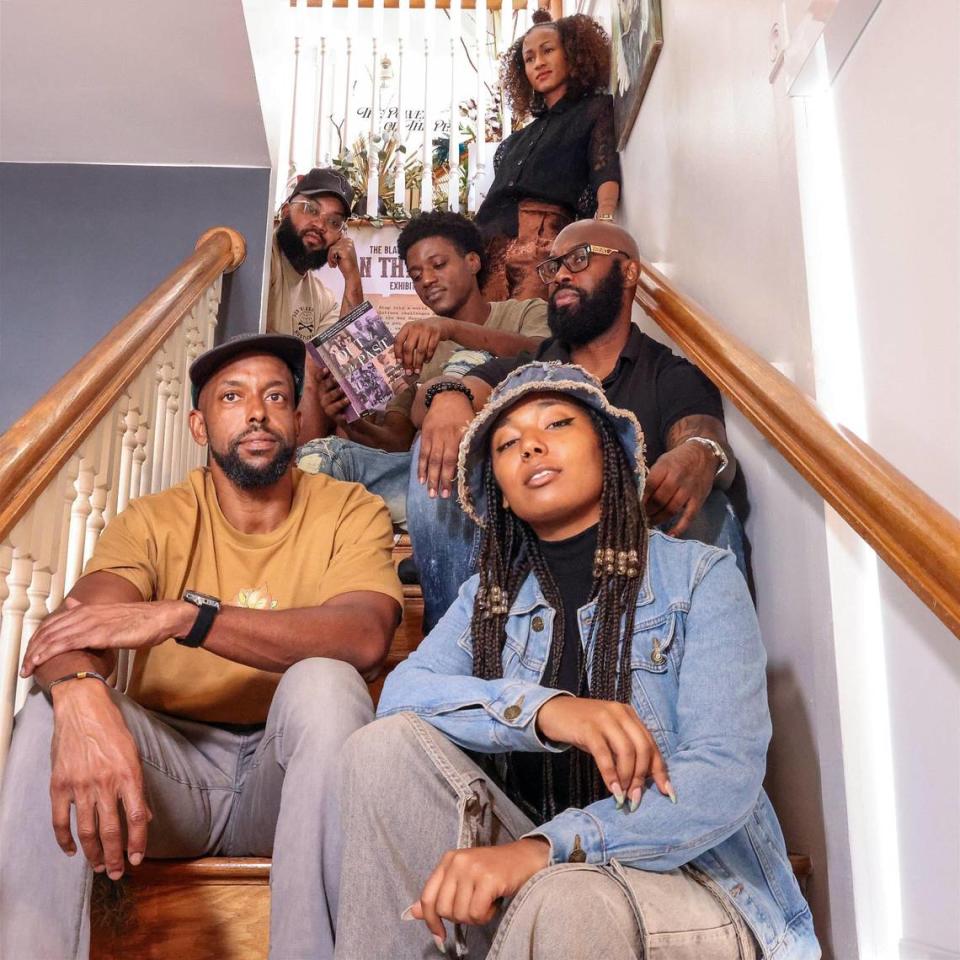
x,y
336,539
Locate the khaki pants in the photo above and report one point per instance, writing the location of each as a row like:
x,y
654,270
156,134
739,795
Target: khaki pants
x,y
410,795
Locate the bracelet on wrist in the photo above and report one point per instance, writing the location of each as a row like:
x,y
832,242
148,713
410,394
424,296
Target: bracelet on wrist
x,y
443,387
715,448
79,675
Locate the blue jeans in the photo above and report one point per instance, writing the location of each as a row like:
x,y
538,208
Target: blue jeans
x,y
446,542
382,473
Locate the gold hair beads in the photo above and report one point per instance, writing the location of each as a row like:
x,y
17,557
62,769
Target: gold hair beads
x,y
625,563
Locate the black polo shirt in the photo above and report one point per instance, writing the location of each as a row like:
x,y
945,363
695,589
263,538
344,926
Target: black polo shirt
x,y
651,381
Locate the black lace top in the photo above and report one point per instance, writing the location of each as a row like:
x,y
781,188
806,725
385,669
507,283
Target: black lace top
x,y
562,157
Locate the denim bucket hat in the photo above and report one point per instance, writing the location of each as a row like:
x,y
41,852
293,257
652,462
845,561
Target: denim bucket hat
x,y
539,377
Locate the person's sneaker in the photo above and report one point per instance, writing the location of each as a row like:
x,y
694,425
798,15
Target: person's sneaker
x,y
407,571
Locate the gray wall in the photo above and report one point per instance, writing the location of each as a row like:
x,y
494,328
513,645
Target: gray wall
x,y
127,129
81,244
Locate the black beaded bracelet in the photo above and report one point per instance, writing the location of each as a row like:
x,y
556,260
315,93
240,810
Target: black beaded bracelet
x,y
442,387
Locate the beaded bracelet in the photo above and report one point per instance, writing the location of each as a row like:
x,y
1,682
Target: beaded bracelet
x,y
442,387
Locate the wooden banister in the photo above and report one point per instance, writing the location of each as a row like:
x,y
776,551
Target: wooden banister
x,y
917,538
40,442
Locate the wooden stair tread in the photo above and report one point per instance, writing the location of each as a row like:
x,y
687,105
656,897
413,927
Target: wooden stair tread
x,y
257,870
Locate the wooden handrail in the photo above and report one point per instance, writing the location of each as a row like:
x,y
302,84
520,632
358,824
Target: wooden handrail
x,y
912,533
40,442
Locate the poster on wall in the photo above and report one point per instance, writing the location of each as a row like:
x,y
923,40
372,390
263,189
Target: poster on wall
x,y
383,274
637,35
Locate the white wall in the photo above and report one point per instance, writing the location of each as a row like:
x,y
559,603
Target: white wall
x,y
711,195
128,81
897,103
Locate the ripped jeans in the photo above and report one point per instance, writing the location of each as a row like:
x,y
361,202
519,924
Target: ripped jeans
x,y
400,764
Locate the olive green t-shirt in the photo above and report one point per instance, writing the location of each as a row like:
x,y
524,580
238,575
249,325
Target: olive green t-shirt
x,y
336,539
526,317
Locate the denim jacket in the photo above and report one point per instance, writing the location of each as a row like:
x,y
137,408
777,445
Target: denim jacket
x,y
699,686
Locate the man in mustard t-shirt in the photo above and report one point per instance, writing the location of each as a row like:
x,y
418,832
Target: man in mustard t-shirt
x,y
254,596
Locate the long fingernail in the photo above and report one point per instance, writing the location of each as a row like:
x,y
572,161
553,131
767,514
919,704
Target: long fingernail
x,y
441,944
433,492
635,799
136,858
445,494
99,868
671,793
617,792
408,913
114,874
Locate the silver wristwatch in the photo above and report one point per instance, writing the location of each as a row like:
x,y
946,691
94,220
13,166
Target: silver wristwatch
x,y
718,451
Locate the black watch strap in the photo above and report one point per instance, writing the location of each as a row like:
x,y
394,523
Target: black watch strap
x,y
207,610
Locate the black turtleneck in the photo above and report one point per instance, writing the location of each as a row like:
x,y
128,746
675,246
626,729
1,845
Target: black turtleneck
x,y
571,564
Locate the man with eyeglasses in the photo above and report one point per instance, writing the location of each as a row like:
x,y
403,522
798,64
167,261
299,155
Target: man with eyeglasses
x,y
312,235
592,277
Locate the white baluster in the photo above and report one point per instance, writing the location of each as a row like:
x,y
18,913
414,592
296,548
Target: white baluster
x,y
426,182
38,595
76,532
63,493
292,165
506,38
15,606
477,191
161,430
319,151
373,138
129,424
453,154
400,181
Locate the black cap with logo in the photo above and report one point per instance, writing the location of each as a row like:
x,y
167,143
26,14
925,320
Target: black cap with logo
x,y
324,180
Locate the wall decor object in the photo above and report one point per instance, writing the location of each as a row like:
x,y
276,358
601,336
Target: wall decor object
x,y
637,35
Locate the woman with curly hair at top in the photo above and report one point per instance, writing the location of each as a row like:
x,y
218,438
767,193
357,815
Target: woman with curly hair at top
x,y
561,167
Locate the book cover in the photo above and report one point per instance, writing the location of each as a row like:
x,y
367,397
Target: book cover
x,y
358,351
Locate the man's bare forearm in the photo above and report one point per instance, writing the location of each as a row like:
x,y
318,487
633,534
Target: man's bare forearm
x,y
501,343
95,588
703,425
480,389
354,627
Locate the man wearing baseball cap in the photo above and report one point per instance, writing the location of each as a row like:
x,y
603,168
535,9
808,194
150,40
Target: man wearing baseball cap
x,y
253,597
311,235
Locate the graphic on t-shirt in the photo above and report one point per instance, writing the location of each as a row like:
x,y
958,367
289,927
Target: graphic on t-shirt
x,y
256,598
303,322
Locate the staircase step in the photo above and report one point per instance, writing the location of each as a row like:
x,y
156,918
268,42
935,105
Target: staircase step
x,y
214,908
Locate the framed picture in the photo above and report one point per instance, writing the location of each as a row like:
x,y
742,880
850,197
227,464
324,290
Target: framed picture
x,y
637,37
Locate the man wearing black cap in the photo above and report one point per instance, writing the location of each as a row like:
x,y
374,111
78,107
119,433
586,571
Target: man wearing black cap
x,y
253,596
310,236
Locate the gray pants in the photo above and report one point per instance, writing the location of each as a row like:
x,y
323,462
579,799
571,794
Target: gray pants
x,y
410,795
269,790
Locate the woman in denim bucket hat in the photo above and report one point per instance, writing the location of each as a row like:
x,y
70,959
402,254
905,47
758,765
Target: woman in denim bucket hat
x,y
504,798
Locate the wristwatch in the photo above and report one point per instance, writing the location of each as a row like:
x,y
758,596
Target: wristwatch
x,y
207,610
718,451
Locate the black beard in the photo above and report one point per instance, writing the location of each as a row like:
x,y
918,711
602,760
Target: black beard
x,y
301,259
248,476
581,323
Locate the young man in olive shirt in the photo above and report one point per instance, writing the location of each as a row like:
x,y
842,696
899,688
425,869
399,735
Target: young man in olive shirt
x,y
280,591
445,259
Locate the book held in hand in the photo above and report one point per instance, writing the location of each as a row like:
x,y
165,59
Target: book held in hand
x,y
358,351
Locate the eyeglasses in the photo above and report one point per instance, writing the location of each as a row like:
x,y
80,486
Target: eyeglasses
x,y
333,221
574,260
